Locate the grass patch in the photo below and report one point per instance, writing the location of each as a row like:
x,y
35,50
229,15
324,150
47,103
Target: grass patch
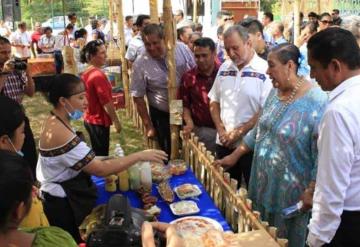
x,y
131,139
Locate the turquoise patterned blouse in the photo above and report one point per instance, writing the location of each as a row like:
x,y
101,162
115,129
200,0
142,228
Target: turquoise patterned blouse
x,y
285,152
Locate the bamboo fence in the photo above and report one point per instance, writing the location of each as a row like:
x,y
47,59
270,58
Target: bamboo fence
x,y
233,203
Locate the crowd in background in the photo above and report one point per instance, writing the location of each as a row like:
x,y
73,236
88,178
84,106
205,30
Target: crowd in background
x,y
278,113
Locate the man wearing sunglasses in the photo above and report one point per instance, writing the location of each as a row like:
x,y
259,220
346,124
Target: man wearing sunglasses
x,y
325,21
336,17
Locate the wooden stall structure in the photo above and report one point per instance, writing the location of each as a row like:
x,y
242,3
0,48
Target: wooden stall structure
x,y
305,6
233,203
241,8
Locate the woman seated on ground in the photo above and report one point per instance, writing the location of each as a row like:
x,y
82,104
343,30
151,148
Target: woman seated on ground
x,y
12,122
47,41
284,166
66,161
16,186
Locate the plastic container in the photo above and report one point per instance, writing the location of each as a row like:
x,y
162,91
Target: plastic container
x,y
110,183
123,181
124,175
145,176
134,177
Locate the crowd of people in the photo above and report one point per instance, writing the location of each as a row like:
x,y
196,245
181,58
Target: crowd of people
x,y
279,114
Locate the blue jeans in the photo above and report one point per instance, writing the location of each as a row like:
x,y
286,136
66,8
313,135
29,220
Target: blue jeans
x,y
59,62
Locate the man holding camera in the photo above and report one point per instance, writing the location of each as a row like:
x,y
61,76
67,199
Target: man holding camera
x,y
15,82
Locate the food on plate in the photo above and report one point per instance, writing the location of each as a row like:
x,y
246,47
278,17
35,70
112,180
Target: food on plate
x,y
159,172
215,238
154,210
147,199
166,192
177,167
195,226
184,208
187,190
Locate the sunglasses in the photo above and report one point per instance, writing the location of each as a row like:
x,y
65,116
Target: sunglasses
x,y
326,22
229,19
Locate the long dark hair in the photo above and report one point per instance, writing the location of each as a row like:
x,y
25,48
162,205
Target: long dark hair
x,y
62,85
90,49
16,183
11,117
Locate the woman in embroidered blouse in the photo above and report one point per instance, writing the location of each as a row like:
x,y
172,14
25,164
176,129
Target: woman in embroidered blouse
x,y
284,143
65,161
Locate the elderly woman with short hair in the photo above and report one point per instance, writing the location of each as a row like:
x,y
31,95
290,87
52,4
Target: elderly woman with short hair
x,y
284,143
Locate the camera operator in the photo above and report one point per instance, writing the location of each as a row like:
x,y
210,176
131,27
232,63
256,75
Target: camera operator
x,y
15,82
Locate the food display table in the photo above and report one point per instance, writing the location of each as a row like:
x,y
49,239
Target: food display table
x,y
204,201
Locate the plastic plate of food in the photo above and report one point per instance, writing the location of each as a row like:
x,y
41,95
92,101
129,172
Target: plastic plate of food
x,y
184,208
187,191
195,225
159,172
177,167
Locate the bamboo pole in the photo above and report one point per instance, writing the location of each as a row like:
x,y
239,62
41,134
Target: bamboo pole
x,y
111,15
121,39
296,19
318,6
195,8
170,61
154,15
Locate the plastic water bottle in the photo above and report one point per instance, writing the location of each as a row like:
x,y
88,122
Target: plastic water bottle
x,y
292,211
118,151
124,175
145,176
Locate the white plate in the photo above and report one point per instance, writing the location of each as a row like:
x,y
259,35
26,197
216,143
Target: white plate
x,y
196,229
196,192
184,208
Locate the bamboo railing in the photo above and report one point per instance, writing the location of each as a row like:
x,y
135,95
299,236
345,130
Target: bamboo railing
x,y
233,203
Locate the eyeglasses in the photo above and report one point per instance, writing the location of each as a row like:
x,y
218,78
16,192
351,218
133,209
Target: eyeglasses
x,y
229,19
326,22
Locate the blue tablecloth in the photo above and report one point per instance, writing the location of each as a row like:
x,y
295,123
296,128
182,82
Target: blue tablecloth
x,y
204,201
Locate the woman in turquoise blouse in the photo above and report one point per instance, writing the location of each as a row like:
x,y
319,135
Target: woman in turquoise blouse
x,y
284,142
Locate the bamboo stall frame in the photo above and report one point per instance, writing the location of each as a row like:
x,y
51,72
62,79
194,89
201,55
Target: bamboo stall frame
x,y
169,30
121,42
195,10
154,14
111,17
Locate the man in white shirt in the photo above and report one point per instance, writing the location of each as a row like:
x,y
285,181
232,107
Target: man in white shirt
x,y
238,94
136,44
72,18
128,29
21,40
334,58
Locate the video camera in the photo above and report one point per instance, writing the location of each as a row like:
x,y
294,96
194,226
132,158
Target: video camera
x,y
18,64
121,226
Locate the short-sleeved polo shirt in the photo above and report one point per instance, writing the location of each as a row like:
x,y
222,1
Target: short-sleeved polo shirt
x,y
240,93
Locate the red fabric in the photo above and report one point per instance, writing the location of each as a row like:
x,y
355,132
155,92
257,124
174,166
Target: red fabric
x,y
194,91
98,94
35,36
119,100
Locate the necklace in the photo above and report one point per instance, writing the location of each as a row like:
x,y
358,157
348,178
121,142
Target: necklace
x,y
62,121
284,107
